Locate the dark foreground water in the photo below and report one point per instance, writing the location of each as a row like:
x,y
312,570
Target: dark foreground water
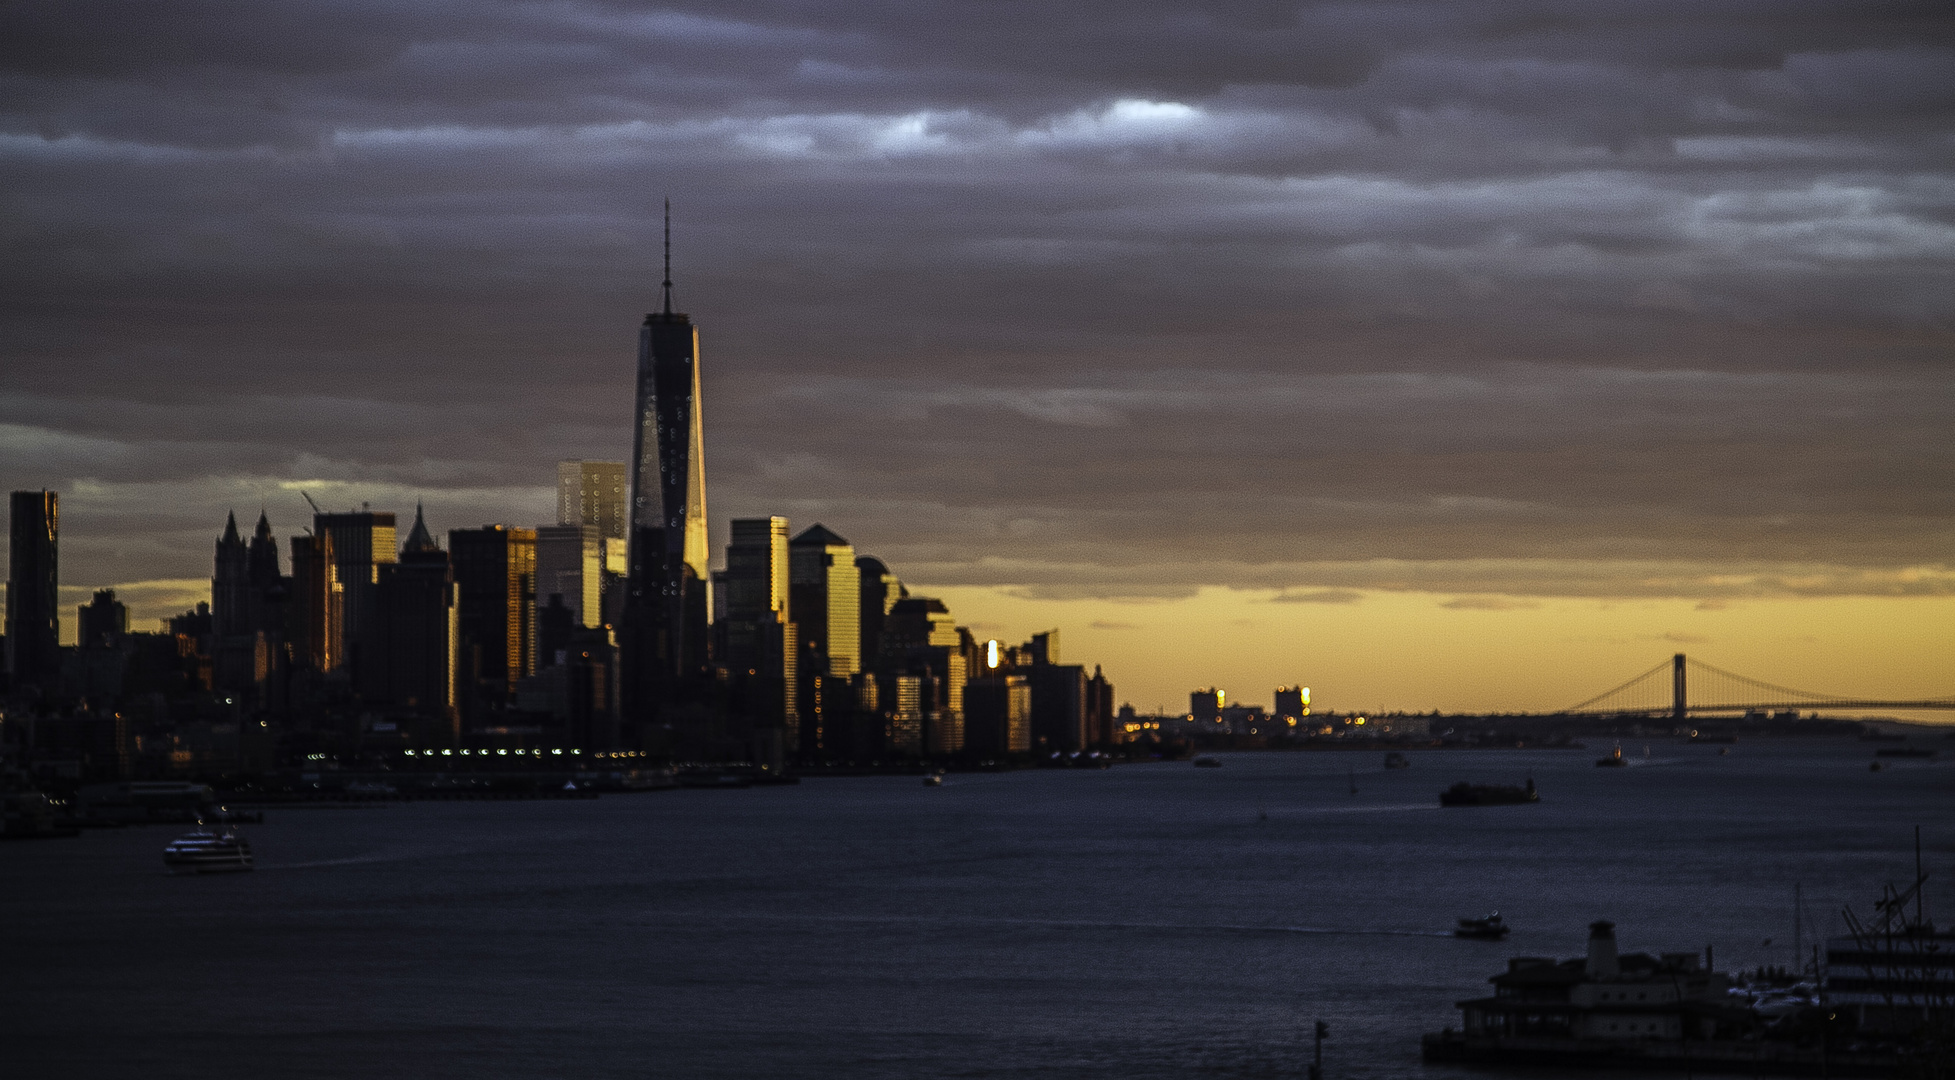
x,y
1139,922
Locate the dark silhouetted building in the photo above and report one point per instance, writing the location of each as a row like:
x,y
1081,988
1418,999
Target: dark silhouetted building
x,y
1058,707
102,622
1101,728
757,640
998,716
418,634
920,641
316,607
824,594
33,588
247,625
495,576
878,591
100,660
1292,702
363,541
230,585
665,616
1206,704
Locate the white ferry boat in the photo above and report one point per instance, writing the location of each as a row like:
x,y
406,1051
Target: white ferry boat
x,y
206,852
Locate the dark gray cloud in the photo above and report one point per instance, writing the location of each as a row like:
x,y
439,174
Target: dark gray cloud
x,y
1122,298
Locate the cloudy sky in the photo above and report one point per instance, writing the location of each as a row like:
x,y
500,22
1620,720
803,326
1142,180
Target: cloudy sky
x,y
1369,344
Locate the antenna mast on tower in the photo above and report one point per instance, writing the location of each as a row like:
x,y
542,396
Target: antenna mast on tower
x,y
668,257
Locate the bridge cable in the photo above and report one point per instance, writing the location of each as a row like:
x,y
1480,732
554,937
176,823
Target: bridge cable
x,y
1610,693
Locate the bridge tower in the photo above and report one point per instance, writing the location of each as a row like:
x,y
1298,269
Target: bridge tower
x,y
1679,708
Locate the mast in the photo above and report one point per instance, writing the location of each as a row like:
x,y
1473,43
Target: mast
x,y
668,258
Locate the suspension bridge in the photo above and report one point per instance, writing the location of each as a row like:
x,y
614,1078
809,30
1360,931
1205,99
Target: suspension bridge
x,y
1666,690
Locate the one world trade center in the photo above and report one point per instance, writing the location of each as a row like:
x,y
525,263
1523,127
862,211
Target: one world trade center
x,y
664,632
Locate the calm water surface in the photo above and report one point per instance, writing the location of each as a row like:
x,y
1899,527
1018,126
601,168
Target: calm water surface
x,y
1148,921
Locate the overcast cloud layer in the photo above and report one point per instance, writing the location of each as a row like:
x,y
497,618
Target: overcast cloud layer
x,y
1109,299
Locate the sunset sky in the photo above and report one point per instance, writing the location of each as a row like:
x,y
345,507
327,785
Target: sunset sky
x,y
1435,355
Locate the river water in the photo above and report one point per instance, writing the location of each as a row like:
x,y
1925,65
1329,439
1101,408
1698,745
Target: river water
x,y
1147,921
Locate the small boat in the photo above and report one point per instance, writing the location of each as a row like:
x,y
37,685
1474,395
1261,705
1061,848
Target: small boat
x,y
933,780
206,852
1396,760
1613,761
1489,928
1465,794
1206,762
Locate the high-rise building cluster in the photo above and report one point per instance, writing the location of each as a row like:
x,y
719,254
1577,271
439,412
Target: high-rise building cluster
x,y
606,629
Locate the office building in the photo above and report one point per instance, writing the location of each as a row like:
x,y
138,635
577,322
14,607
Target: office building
x,y
921,642
878,590
419,631
757,637
592,493
825,594
666,616
757,570
102,622
1292,702
1101,729
998,715
1206,704
570,564
33,586
1058,707
495,600
363,541
317,605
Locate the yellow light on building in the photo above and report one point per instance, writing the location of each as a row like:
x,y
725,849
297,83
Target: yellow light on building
x,y
991,653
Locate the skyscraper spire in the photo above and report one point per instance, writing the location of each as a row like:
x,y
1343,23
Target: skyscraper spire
x,y
420,540
668,257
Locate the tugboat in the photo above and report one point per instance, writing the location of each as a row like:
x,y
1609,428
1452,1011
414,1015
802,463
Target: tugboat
x,y
1396,760
935,779
1488,928
1613,761
1206,762
1465,794
206,852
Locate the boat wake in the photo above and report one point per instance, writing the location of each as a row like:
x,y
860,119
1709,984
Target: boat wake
x,y
1379,807
1057,924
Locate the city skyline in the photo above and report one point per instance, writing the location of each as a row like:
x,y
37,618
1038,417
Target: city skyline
x,y
1429,357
